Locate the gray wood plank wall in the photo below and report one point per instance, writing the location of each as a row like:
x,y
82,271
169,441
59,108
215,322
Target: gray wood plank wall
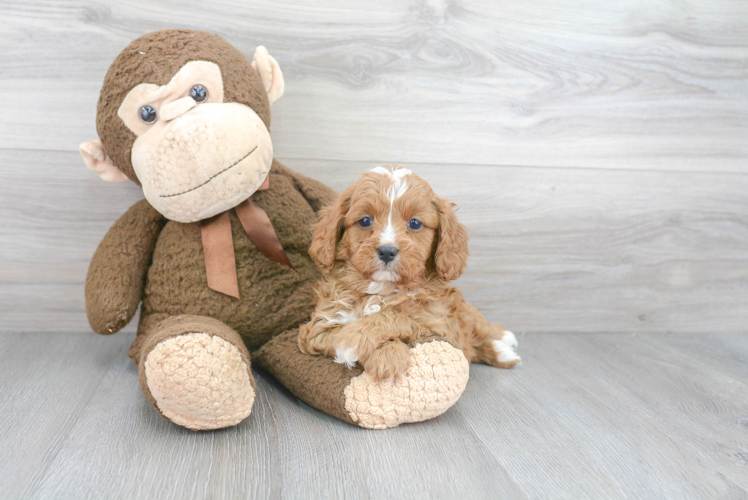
x,y
597,149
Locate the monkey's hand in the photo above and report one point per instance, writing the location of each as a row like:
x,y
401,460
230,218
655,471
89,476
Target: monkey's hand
x,y
116,275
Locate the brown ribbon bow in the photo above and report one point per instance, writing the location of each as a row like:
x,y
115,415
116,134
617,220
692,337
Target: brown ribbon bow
x,y
218,244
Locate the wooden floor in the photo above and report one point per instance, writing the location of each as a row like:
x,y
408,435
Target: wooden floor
x,y
598,153
584,416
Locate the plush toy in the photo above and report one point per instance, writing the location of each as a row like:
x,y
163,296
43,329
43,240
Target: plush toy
x,y
216,255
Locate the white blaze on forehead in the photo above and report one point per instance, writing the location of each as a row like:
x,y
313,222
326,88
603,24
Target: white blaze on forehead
x,y
395,191
392,171
388,236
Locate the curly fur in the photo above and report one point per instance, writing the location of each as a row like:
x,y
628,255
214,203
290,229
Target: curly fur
x,y
369,311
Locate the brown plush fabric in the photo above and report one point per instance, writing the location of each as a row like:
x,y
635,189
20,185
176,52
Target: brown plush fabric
x,y
317,380
157,330
273,298
155,58
436,378
161,263
116,275
317,194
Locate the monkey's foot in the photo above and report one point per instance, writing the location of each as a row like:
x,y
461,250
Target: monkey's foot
x,y
436,378
434,381
199,381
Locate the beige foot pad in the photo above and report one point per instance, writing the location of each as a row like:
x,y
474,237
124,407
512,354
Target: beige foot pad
x,y
199,381
437,376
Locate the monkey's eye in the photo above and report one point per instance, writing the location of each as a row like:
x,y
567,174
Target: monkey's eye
x,y
199,93
365,222
148,114
415,224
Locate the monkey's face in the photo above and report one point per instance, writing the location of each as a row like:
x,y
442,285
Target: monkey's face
x,y
195,155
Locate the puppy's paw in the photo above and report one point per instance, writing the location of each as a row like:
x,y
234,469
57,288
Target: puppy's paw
x,y
388,362
505,356
346,356
509,339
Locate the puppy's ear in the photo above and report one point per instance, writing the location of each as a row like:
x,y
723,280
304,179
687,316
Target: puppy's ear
x,y
450,257
328,230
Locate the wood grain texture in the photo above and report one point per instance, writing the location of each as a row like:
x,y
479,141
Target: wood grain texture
x,y
552,250
597,151
632,84
584,416
585,250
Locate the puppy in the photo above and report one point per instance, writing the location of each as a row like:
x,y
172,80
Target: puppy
x,y
389,246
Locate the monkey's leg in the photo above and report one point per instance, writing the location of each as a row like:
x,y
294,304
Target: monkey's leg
x,y
434,382
194,370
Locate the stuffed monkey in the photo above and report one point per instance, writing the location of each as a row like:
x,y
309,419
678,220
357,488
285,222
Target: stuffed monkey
x,y
216,253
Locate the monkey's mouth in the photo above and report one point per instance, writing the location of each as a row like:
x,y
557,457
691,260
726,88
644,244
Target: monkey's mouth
x,y
212,177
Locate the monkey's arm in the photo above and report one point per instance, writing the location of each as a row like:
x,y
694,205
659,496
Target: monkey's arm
x,y
116,275
316,194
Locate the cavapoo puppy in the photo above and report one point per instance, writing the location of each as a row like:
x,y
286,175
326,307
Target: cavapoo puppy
x,y
389,246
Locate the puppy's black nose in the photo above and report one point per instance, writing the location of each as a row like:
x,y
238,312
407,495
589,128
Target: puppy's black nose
x,y
387,254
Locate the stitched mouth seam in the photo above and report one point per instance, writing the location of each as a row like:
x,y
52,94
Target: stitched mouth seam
x,y
211,178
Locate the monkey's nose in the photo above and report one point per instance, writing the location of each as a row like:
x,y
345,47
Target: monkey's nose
x,y
176,108
387,254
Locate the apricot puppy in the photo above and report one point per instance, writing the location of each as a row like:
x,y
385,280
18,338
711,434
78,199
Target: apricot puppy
x,y
389,246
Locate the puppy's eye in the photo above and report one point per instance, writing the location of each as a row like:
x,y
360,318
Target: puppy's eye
x,y
415,224
365,222
148,114
199,93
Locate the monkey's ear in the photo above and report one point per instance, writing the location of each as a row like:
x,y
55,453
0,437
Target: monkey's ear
x,y
270,73
96,159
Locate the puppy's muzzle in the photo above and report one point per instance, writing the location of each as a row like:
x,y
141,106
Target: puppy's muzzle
x,y
387,254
